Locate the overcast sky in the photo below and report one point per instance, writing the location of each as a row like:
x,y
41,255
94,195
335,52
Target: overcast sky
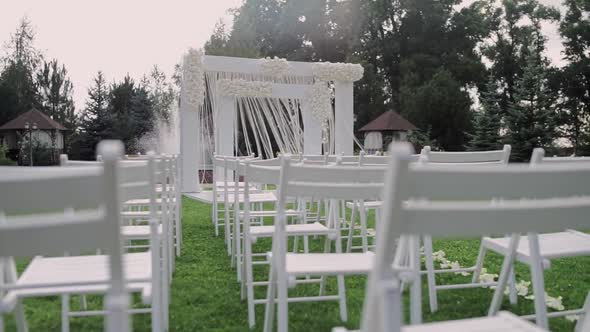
x,y
115,36
129,36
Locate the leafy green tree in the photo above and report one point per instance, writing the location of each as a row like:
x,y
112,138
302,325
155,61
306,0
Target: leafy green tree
x,y
531,119
575,76
161,93
4,160
18,89
56,98
443,106
487,121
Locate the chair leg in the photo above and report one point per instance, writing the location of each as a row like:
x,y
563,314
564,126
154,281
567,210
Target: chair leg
x,y
504,274
432,296
342,298
363,213
249,280
416,288
538,281
582,325
479,263
351,228
65,313
512,287
8,271
270,300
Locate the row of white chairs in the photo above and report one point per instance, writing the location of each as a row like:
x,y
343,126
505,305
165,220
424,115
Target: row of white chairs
x,y
87,210
270,174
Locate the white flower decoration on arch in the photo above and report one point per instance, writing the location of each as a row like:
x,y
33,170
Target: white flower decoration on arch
x,y
243,88
276,67
320,100
193,78
344,72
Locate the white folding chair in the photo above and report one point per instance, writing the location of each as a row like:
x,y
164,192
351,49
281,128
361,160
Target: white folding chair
x,y
145,272
267,172
563,244
491,158
363,207
461,202
49,210
331,182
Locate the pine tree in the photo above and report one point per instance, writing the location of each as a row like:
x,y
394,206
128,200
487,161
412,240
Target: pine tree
x,y
531,118
96,123
18,90
487,122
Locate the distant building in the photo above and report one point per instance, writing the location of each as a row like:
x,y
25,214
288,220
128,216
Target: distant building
x,y
36,125
387,127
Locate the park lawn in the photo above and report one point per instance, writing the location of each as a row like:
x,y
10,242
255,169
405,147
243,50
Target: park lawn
x,y
206,295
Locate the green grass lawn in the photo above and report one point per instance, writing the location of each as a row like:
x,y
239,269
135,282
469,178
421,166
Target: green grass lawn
x,y
206,295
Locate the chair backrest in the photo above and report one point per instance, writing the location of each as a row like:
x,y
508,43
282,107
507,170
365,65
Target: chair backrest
x,y
538,157
47,211
59,210
470,200
483,157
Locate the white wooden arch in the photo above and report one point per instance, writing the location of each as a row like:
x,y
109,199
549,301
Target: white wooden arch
x,y
225,110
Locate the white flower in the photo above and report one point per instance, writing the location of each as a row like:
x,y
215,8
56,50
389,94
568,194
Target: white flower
x,y
193,78
522,287
572,318
438,255
276,66
243,88
345,72
485,277
554,302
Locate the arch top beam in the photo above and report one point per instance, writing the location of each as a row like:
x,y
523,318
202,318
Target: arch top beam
x,y
250,66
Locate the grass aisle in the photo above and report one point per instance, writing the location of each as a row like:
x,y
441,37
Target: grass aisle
x,y
206,295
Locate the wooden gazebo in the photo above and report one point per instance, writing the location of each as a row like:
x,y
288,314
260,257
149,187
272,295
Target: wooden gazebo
x,y
389,126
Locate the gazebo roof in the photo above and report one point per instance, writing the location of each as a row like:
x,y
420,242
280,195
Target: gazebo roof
x,y
41,119
389,121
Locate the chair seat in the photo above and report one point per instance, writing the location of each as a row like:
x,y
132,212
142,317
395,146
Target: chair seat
x,y
295,229
139,232
144,201
259,197
570,243
329,264
80,269
368,204
271,213
137,214
504,322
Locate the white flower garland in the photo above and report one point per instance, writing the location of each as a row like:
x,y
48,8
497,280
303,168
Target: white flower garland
x,y
320,102
276,67
243,88
193,78
346,72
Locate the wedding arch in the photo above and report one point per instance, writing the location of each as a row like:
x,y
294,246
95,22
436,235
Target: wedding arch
x,y
238,106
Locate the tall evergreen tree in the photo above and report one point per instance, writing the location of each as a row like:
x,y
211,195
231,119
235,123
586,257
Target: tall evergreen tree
x,y
95,123
487,121
531,118
516,25
18,90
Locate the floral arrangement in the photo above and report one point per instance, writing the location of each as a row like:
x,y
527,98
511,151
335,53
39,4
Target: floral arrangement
x,y
320,102
193,78
275,67
346,72
243,88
